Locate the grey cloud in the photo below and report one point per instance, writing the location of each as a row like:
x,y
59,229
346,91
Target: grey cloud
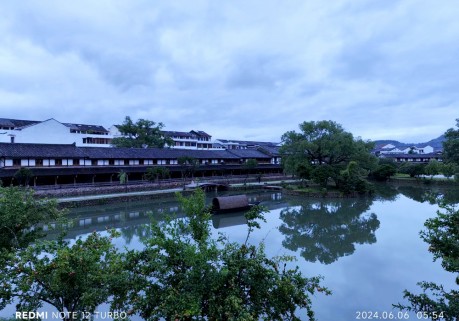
x,y
240,69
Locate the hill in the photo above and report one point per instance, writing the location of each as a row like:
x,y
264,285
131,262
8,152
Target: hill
x,y
436,143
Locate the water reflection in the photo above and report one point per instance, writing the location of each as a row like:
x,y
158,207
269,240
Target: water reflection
x,y
325,230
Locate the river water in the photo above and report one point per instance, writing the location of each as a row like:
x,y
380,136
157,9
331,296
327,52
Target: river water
x,y
367,249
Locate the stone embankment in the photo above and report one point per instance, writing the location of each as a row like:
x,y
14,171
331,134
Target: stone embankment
x,y
132,191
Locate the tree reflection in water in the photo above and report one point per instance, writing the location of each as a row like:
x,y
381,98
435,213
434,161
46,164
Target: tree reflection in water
x,y
325,230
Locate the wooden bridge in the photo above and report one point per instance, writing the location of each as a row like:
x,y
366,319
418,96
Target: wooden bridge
x,y
208,186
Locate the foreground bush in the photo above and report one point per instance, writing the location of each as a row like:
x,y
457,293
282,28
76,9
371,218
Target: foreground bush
x,y
184,274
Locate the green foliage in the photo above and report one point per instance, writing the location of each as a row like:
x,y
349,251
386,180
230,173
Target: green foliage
x,y
122,176
23,176
20,215
442,233
156,173
451,145
352,179
323,150
448,169
140,134
72,278
188,166
184,274
384,171
414,170
322,173
432,168
251,164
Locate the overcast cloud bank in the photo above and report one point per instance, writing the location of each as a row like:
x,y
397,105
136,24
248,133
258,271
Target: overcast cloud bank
x,y
242,70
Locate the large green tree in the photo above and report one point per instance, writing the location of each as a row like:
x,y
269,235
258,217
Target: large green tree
x,y
185,274
442,234
451,145
142,133
323,150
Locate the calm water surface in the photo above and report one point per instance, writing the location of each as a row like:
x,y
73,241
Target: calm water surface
x,y
367,250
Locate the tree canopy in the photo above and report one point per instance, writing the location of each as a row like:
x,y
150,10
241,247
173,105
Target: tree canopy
x,y
451,144
200,278
142,133
183,273
324,150
442,234
72,278
20,213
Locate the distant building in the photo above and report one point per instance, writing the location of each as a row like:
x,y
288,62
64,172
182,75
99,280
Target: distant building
x,y
242,144
195,139
70,164
52,131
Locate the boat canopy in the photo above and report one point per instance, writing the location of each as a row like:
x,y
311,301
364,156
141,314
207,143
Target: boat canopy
x,y
230,202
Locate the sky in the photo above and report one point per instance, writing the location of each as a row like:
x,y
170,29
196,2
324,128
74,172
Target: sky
x,y
248,70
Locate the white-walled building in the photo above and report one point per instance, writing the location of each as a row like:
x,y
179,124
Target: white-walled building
x,y
52,131
407,150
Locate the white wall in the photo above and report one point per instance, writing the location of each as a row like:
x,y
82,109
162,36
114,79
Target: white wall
x,y
49,132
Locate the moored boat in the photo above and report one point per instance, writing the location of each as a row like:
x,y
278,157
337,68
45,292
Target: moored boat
x,y
233,203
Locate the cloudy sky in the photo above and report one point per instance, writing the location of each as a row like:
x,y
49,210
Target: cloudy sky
x,y
237,69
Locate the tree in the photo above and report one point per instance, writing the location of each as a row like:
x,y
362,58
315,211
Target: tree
x,y
142,133
249,165
184,274
448,169
451,145
414,170
188,166
442,234
23,176
20,215
157,173
72,278
432,168
327,149
384,171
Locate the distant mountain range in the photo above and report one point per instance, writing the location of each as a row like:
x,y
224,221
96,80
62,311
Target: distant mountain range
x,y
436,143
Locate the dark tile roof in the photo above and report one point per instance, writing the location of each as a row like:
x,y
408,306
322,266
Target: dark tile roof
x,y
201,133
175,133
84,127
270,150
16,123
248,142
18,150
248,153
39,150
429,155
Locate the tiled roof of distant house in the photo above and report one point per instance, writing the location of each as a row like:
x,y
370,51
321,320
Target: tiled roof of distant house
x,y
19,150
248,153
248,143
176,133
201,133
40,150
83,127
16,123
270,150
